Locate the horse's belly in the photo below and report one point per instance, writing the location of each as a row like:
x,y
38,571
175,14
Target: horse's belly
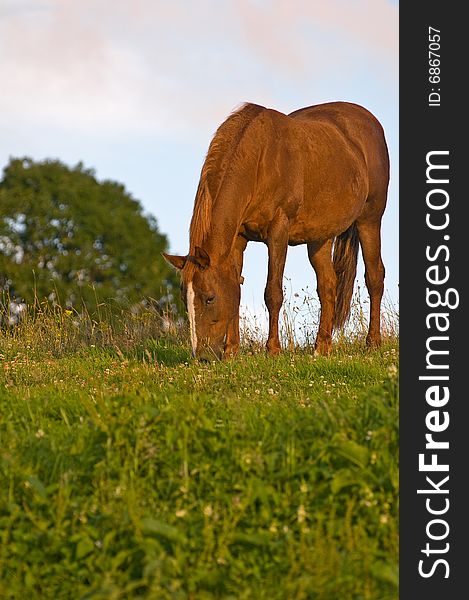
x,y
324,218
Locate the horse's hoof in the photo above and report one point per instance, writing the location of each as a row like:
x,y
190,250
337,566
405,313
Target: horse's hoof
x,y
373,342
322,349
230,352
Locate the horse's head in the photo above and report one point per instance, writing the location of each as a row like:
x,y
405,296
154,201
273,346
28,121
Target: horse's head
x,y
211,293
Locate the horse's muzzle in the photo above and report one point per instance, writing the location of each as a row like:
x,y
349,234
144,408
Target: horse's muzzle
x,y
209,353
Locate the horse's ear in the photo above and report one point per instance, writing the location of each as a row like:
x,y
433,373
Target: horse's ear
x,y
177,262
201,258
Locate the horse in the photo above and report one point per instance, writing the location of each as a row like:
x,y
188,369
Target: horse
x,y
317,176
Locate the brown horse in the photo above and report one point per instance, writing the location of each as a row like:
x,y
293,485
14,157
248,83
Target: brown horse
x,y
318,176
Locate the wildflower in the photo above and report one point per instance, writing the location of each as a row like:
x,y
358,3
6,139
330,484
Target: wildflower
x,y
40,433
208,510
182,512
301,514
247,459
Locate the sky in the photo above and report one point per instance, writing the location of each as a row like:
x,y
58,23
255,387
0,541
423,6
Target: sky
x,y
136,88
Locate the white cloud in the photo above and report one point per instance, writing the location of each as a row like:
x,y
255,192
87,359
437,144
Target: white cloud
x,y
146,66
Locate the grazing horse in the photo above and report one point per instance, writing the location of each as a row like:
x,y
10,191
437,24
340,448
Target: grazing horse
x,y
318,176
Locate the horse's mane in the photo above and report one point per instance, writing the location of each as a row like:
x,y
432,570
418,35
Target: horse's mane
x,y
219,156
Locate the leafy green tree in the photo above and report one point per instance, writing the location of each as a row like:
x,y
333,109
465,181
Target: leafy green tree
x,y
64,233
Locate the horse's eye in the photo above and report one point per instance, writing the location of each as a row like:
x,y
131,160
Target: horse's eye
x,y
210,300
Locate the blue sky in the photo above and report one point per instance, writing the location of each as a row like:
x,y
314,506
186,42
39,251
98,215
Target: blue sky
x,y
135,89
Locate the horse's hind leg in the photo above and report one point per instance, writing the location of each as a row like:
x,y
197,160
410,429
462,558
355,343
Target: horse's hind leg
x,y
320,257
277,244
369,233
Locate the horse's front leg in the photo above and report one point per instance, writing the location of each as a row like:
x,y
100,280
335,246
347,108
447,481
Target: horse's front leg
x,y
232,338
277,244
232,334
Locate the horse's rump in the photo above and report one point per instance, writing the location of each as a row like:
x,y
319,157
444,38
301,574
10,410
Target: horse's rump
x,y
362,130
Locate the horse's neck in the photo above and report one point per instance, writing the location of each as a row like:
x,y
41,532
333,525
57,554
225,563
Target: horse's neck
x,y
227,216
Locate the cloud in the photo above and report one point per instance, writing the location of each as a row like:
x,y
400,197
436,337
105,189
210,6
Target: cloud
x,y
285,32
63,68
146,67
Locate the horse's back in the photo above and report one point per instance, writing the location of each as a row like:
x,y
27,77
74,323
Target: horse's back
x,y
354,121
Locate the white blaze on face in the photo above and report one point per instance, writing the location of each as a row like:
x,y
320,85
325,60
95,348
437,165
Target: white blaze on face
x,y
191,311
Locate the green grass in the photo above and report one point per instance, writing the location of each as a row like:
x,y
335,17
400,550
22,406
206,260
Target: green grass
x,y
142,474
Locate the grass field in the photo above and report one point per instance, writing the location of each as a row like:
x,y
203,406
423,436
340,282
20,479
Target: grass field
x,y
133,472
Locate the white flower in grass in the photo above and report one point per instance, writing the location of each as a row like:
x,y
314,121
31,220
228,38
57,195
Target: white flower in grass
x,y
383,519
301,514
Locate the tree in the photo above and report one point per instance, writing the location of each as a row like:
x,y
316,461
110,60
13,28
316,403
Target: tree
x,y
64,233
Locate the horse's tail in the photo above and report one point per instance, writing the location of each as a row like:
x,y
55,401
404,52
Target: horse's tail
x,y
345,267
